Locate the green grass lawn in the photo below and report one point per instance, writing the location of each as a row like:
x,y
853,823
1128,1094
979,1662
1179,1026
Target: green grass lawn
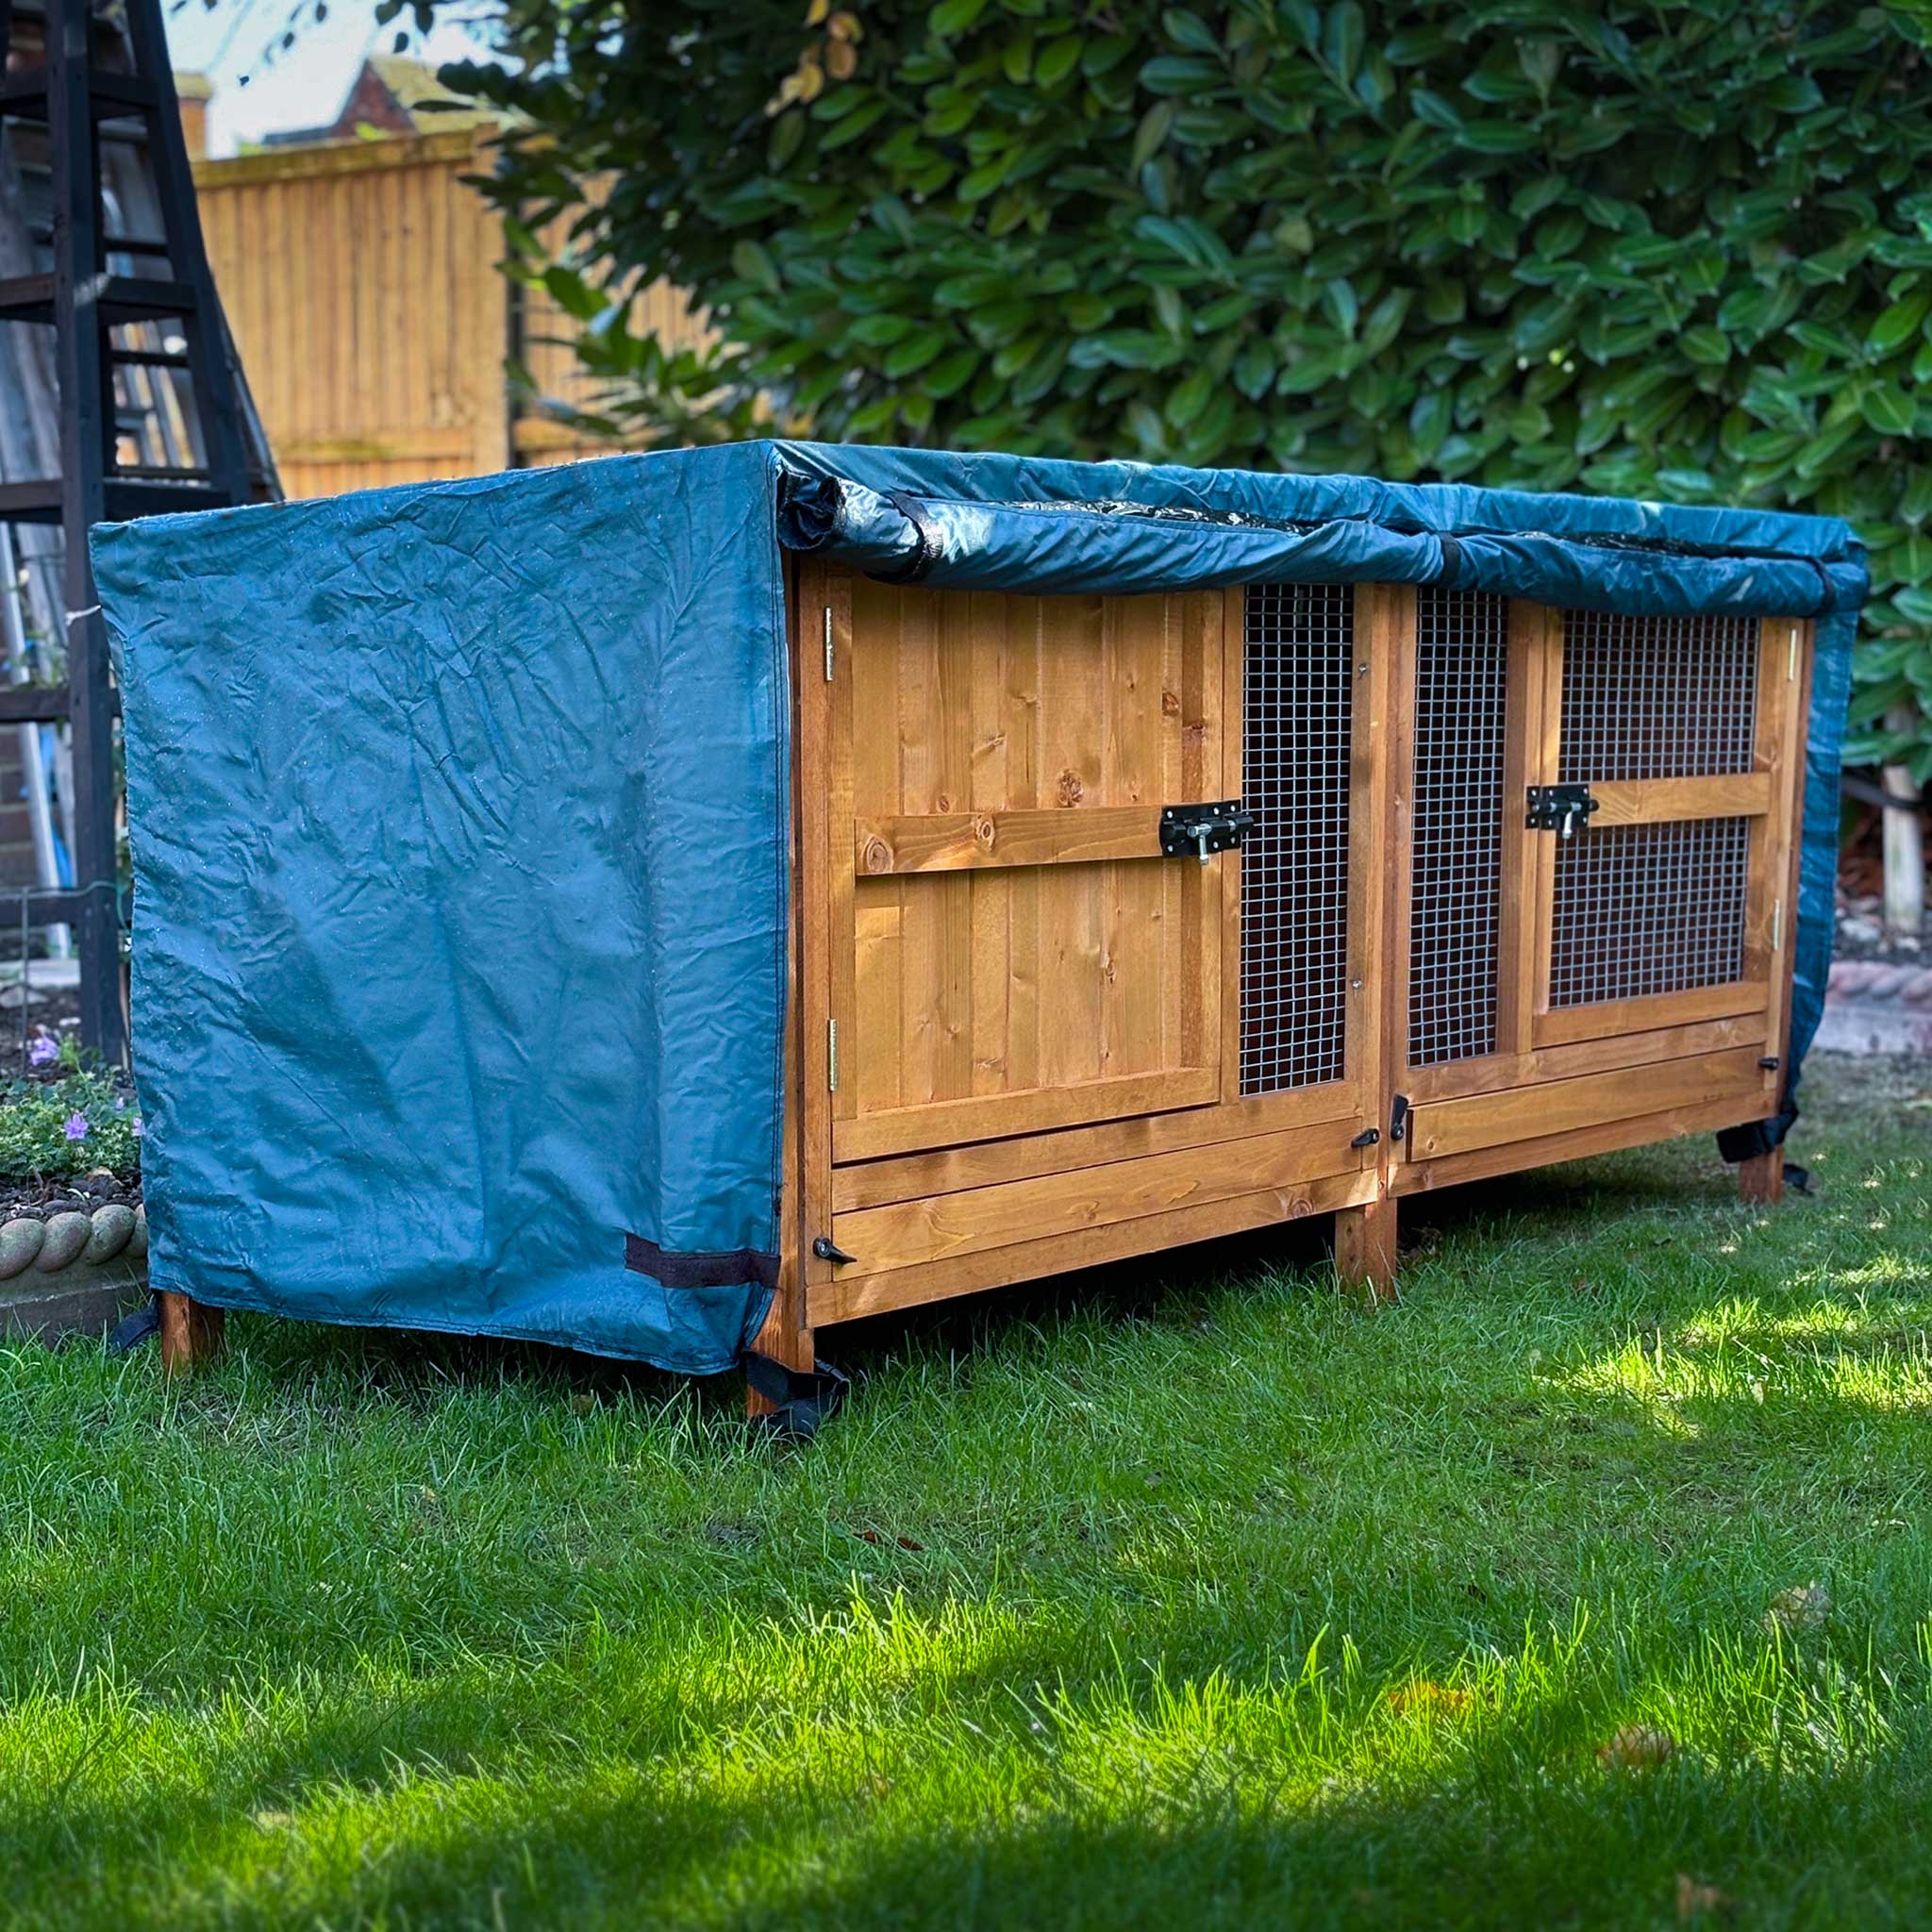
x,y
1189,1594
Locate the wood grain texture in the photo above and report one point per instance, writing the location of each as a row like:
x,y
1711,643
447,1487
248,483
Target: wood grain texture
x,y
932,1228
1031,1110
846,1299
193,1335
1365,1247
784,1334
1657,800
1761,1178
361,281
1604,1137
1455,1080
953,842
1486,1120
998,768
1606,1018
1329,1115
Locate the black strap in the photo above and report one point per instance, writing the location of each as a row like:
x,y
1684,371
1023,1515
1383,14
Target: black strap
x,y
129,1332
1452,559
1798,1177
928,547
699,1268
802,1399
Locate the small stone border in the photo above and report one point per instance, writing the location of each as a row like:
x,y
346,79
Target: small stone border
x,y
73,1270
1876,1007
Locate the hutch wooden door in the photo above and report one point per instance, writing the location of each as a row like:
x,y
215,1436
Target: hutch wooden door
x,y
1600,814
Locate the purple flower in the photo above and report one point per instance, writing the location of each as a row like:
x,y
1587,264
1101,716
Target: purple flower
x,y
75,1128
139,1129
43,1052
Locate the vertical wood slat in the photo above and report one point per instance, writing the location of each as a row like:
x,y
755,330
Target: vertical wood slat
x,y
1544,752
1525,751
360,282
1380,839
1784,827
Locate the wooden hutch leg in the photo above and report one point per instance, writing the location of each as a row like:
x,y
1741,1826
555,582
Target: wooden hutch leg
x,y
193,1333
785,1338
1763,1177
1365,1247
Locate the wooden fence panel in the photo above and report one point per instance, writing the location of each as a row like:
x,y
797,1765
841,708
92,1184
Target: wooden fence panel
x,y
360,279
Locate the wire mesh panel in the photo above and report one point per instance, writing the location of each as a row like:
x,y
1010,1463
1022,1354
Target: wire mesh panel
x,y
1455,880
1298,703
1657,697
1648,908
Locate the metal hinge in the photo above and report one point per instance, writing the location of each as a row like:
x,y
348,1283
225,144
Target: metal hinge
x,y
828,644
1777,926
1195,831
1791,659
1559,808
1367,1137
1398,1117
832,1054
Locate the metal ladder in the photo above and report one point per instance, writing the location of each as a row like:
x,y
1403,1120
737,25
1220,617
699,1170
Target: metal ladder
x,y
127,309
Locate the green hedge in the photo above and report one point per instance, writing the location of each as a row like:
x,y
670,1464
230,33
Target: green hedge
x,y
1679,249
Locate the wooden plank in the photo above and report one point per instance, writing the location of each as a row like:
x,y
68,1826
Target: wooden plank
x,y
956,841
1523,748
1544,754
1019,726
1026,1110
1204,891
1233,766
990,897
784,1334
1657,800
1459,1126
1455,1080
823,613
1365,1247
1601,1018
1604,1137
193,1334
868,993
1073,725
985,1163
869,1295
911,1232
1761,1178
1381,850
951,1022
821,769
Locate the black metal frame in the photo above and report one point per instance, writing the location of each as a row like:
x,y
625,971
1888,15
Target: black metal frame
x,y
84,302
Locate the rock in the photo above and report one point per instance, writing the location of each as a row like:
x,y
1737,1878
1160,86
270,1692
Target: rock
x,y
67,1237
19,1241
136,1241
113,1227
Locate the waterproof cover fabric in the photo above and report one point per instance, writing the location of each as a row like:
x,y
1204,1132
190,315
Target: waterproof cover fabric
x,y
460,823
1033,524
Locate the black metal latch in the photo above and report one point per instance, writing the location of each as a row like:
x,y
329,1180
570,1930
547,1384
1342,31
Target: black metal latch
x,y
1195,831
1560,809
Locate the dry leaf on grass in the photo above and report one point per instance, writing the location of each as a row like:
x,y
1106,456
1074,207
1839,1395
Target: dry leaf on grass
x,y
1636,1747
1805,1606
1427,1698
1695,1898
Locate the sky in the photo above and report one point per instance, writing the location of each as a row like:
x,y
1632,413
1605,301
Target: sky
x,y
260,87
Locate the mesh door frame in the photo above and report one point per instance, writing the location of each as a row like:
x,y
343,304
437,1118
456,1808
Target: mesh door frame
x,y
1766,797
